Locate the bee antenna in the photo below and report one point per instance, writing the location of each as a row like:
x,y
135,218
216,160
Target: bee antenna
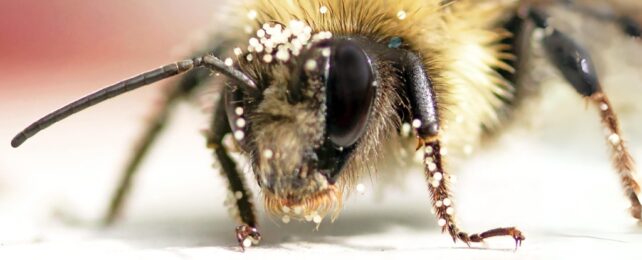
x,y
146,78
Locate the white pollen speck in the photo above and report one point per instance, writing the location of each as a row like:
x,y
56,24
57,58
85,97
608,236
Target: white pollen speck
x,y
405,129
238,195
258,48
239,135
428,150
450,211
267,58
308,218
240,122
247,242
285,219
401,15
441,222
282,55
229,62
254,41
604,106
432,166
252,14
267,153
614,139
238,51
249,57
416,123
238,111
375,83
260,33
326,52
317,219
438,204
361,188
298,210
437,176
435,183
285,209
310,65
323,9
447,202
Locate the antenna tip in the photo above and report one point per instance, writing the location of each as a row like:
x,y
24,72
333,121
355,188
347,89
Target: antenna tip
x,y
18,140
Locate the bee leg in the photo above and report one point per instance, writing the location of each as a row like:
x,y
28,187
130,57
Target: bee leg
x,y
576,66
438,185
247,233
158,121
426,123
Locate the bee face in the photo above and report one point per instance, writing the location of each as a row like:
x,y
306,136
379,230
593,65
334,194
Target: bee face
x,y
308,120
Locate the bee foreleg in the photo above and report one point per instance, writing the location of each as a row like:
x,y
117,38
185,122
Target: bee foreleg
x,y
247,233
426,123
157,122
438,185
575,64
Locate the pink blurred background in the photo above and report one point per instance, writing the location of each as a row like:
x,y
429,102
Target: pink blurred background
x,y
44,43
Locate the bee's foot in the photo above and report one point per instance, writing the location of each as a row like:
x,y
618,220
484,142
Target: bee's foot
x,y
247,236
478,238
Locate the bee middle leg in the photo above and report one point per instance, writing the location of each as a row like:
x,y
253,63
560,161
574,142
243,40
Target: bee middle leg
x,y
247,233
576,66
426,122
159,119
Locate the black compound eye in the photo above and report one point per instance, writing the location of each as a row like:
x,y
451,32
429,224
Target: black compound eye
x,y
350,93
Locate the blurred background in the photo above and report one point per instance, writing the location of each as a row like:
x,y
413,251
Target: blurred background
x,y
552,178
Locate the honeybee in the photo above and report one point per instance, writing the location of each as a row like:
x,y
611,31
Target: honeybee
x,y
318,91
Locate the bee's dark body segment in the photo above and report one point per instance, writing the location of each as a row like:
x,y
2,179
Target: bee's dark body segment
x,y
302,121
420,94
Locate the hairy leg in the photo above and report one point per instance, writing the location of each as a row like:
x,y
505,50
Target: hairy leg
x,y
247,233
427,125
158,120
576,66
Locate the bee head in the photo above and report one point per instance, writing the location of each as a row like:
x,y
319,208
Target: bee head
x,y
308,120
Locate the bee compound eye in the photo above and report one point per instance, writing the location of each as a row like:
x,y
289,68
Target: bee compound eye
x,y
350,93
